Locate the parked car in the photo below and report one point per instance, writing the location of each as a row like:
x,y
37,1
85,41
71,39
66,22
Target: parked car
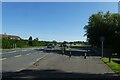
x,y
51,46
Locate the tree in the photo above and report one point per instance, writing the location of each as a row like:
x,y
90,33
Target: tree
x,y
22,43
36,39
6,43
30,42
36,42
104,25
54,42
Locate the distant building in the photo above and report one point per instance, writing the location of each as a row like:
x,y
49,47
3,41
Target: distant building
x,y
10,36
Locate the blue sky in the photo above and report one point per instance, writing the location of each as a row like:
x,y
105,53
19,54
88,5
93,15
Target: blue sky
x,y
60,21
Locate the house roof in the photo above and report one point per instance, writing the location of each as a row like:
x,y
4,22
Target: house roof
x,y
10,36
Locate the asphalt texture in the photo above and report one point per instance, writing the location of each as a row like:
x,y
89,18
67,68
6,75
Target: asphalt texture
x,y
16,60
55,64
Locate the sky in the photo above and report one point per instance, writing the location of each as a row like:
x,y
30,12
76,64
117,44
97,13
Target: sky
x,y
60,21
60,0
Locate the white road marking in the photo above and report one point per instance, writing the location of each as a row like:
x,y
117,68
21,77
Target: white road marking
x,y
38,59
27,54
31,62
9,52
3,59
79,50
20,69
14,51
18,56
24,50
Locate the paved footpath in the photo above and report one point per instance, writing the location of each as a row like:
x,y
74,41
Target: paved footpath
x,y
92,66
57,65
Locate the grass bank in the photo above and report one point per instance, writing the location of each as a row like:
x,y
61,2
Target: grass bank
x,y
113,65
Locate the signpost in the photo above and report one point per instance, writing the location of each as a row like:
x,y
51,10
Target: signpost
x,y
70,48
102,40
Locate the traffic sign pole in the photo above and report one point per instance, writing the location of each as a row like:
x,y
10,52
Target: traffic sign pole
x,y
102,48
102,39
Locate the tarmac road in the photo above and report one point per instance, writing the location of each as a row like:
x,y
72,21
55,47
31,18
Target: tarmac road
x,y
16,60
56,65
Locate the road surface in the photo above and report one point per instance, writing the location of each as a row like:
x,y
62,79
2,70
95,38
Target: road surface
x,y
16,60
54,64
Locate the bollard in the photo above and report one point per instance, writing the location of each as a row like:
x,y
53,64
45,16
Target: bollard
x,y
85,56
109,59
70,54
62,52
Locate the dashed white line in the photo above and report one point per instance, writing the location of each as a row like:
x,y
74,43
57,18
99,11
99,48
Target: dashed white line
x,y
28,54
9,52
24,50
14,51
18,56
3,59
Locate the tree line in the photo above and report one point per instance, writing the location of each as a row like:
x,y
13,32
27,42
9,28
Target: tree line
x,y
104,25
8,43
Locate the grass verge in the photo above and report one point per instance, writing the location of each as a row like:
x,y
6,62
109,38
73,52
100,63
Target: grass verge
x,y
113,65
21,48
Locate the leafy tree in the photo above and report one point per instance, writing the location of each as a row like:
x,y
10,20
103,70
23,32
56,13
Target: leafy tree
x,y
104,25
6,43
36,42
22,43
30,42
36,39
54,42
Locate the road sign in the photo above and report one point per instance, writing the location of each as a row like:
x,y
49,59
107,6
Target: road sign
x,y
102,38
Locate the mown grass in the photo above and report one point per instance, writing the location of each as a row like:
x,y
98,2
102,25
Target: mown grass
x,y
113,65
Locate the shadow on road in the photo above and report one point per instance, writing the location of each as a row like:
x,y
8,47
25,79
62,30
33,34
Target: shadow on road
x,y
32,74
36,74
75,51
